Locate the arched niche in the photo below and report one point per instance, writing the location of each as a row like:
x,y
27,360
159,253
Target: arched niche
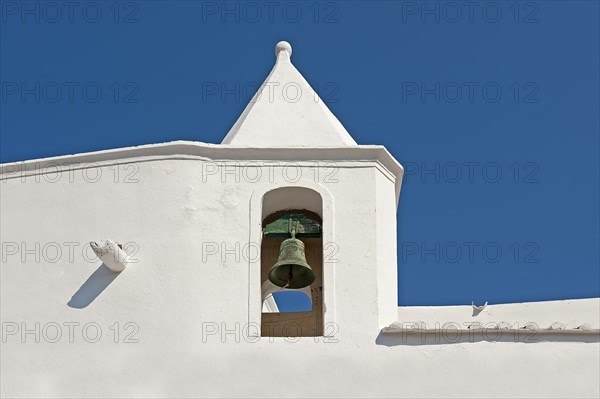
x,y
278,205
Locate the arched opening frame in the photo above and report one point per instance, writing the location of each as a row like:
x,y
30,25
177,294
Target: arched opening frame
x,y
259,208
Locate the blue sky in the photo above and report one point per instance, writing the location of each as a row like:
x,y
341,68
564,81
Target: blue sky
x,y
492,108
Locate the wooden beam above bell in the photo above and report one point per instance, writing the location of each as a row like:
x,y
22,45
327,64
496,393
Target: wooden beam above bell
x,y
305,227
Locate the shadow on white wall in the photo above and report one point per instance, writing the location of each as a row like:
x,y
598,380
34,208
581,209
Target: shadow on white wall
x,y
93,287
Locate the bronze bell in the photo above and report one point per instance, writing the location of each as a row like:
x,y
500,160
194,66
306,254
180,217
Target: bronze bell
x,y
291,269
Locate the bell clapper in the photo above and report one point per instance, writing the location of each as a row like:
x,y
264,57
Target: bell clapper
x,y
290,275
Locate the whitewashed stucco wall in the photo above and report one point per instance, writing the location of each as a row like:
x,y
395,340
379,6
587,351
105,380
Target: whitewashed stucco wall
x,y
190,315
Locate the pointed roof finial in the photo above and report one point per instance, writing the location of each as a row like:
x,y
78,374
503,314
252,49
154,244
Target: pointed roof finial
x,y
278,117
283,46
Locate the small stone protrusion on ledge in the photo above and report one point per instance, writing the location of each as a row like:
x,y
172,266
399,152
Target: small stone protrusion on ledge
x,y
557,325
112,255
479,308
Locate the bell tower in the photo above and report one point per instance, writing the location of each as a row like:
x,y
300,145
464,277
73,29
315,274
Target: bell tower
x,y
326,217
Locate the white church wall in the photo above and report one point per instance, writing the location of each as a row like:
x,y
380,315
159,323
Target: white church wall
x,y
174,325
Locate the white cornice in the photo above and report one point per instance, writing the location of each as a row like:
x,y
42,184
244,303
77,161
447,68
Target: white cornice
x,y
346,157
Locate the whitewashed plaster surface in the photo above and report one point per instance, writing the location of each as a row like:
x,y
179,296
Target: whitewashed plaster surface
x,y
191,316
181,319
